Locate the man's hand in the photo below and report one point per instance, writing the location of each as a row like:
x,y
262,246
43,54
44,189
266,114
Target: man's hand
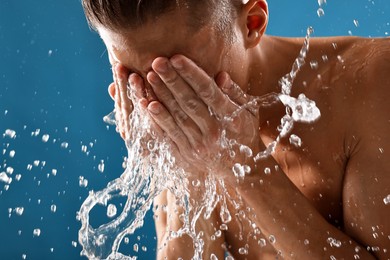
x,y
191,108
119,93
119,90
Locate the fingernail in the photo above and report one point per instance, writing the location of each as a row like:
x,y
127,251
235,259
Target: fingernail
x,y
227,83
163,67
177,63
152,77
131,81
154,108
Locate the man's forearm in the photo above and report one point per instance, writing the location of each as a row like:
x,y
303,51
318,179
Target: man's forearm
x,y
283,213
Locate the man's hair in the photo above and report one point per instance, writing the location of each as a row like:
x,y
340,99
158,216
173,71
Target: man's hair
x,y
117,15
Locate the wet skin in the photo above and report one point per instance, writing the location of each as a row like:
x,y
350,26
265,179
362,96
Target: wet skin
x,y
331,187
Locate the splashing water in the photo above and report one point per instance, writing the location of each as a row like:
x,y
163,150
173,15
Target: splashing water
x,y
151,168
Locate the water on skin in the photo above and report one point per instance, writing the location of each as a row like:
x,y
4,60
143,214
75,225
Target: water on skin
x,y
151,168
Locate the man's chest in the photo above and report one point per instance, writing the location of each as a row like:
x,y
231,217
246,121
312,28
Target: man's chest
x,y
317,170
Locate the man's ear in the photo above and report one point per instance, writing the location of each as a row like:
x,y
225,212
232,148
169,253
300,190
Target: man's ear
x,y
255,14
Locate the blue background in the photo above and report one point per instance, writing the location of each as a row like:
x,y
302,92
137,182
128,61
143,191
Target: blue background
x,y
54,74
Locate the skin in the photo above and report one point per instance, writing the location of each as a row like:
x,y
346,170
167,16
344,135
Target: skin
x,y
332,186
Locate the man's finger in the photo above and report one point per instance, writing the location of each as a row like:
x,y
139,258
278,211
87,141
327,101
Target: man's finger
x,y
185,96
111,90
203,85
231,89
166,122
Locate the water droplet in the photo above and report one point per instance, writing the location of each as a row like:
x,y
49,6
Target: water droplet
x,y
333,242
321,2
19,211
83,182
320,12
110,118
135,247
195,183
36,163
10,133
36,232
126,240
272,239
29,167
386,200
246,151
4,178
12,153
17,177
45,138
24,256
101,166
356,22
74,243
295,140
64,145
213,257
314,65
151,145
111,210
54,172
53,208
242,251
262,242
267,170
238,170
10,170
36,132
325,58
225,217
306,242
84,148
223,227
381,150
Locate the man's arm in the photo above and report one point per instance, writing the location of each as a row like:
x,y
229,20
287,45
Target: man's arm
x,y
166,215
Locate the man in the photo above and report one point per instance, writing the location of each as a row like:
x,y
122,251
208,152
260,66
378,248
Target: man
x,y
324,199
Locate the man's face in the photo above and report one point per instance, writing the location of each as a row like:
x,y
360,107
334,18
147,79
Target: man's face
x,y
167,36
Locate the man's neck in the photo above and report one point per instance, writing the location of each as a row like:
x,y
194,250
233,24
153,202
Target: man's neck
x,y
271,60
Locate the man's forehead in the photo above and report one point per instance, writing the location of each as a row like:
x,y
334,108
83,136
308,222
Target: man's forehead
x,y
136,49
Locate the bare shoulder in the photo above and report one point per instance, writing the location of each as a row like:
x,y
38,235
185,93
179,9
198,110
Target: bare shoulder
x,y
368,71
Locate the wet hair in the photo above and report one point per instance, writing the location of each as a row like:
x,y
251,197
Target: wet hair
x,y
117,15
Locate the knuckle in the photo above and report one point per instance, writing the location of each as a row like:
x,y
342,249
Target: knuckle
x,y
175,133
180,117
171,79
208,93
192,104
